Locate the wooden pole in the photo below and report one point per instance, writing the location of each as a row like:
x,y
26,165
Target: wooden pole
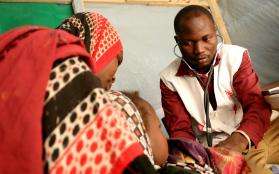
x,y
212,4
40,1
167,3
78,6
216,13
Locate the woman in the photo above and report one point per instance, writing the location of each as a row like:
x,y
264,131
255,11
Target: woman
x,y
103,43
24,53
76,113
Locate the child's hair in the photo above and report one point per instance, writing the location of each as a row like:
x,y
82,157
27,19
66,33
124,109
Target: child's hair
x,y
137,100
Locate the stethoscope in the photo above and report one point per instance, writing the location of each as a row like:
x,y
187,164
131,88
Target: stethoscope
x,y
209,137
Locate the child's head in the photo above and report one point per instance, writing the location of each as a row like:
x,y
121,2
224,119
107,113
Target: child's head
x,y
153,127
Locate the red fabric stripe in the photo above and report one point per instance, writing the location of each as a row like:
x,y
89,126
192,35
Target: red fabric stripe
x,y
127,156
108,56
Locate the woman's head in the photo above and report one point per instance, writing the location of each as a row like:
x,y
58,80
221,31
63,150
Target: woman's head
x,y
101,41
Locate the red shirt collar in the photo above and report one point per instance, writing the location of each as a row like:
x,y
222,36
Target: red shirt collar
x,y
183,69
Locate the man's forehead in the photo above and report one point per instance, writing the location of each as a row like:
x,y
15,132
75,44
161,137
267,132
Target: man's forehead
x,y
196,23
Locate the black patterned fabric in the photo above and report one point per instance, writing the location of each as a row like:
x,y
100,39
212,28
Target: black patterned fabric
x,y
84,132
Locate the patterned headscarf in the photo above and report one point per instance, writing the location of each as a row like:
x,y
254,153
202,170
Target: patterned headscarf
x,y
100,37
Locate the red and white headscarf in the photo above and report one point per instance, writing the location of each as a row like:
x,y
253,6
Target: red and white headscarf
x,y
100,37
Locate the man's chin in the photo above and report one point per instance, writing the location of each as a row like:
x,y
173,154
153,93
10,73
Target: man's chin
x,y
203,67
200,66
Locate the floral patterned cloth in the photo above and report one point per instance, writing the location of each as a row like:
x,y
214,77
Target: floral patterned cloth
x,y
226,161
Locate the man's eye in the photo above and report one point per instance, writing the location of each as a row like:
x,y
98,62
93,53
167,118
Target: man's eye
x,y
186,43
205,38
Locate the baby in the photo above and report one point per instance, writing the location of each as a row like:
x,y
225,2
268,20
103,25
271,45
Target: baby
x,y
159,144
152,124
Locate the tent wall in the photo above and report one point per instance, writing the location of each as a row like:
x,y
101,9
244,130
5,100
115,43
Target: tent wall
x,y
147,33
254,24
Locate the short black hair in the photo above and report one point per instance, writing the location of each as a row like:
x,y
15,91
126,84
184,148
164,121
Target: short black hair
x,y
190,12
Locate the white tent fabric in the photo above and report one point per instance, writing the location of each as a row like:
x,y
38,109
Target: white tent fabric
x,y
147,34
254,24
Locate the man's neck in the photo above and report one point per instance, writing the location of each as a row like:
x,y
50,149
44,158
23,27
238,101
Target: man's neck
x,y
203,70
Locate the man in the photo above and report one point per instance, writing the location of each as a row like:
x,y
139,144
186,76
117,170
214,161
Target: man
x,y
238,113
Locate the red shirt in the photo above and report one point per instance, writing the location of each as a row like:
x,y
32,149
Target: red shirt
x,y
256,112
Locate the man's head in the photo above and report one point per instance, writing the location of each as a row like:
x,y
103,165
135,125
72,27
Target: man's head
x,y
153,128
196,36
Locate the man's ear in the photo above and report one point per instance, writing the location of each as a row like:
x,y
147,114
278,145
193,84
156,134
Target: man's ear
x,y
177,40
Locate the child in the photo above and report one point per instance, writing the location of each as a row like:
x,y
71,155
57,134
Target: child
x,y
153,128
137,110
159,144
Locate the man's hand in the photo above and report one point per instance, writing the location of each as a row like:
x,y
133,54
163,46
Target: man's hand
x,y
236,142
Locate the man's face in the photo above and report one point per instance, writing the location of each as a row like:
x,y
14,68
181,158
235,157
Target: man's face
x,y
198,41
